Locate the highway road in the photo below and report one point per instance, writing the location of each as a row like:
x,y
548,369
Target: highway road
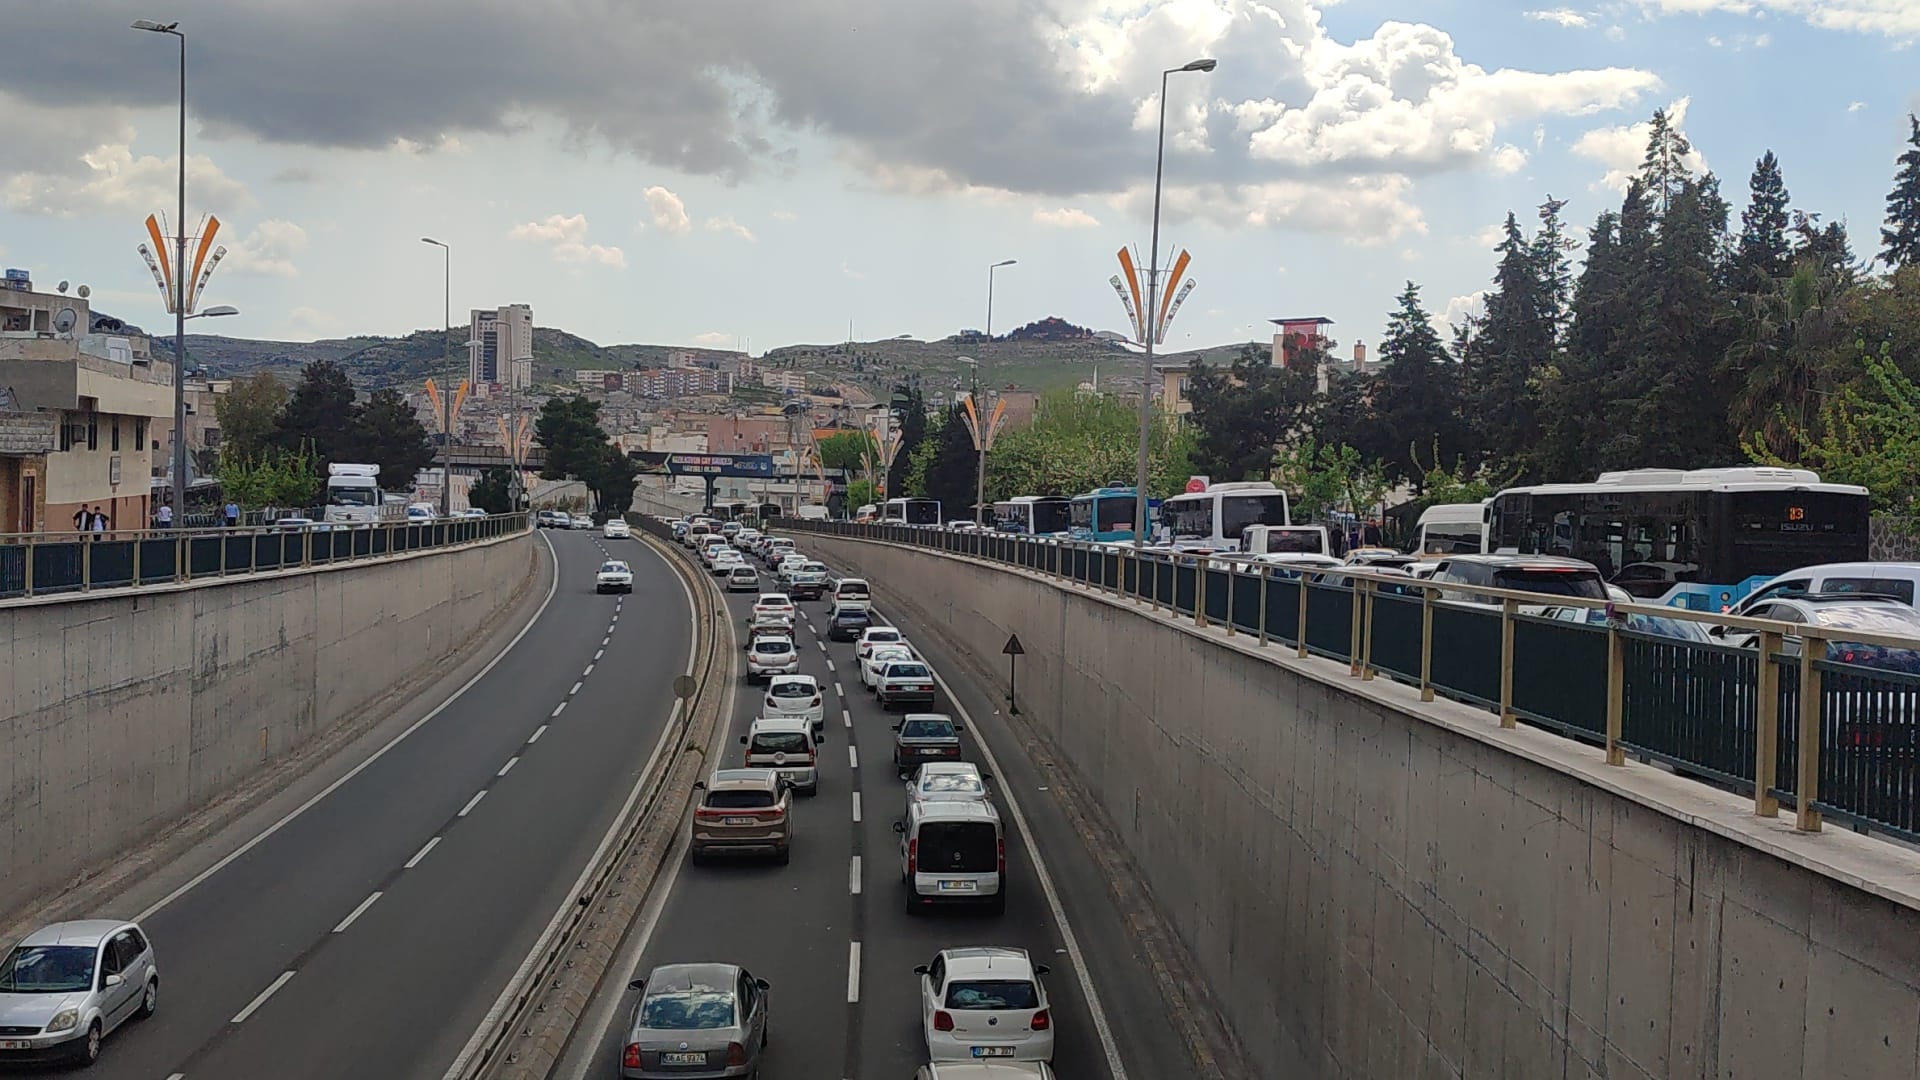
x,y
368,935
829,931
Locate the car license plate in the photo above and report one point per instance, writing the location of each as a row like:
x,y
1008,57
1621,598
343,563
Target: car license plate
x,y
15,1044
737,821
992,1051
932,751
674,1057
956,886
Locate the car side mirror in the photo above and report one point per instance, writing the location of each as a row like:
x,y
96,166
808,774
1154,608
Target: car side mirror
x,y
922,970
986,777
820,738
1041,969
895,727
743,740
763,984
637,984
699,785
900,826
958,726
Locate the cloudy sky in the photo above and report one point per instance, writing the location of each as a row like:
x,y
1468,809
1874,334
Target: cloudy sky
x,y
717,171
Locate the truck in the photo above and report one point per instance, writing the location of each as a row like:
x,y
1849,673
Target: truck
x,y
1285,540
354,495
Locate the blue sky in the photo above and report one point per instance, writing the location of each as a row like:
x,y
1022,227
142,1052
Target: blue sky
x,y
717,172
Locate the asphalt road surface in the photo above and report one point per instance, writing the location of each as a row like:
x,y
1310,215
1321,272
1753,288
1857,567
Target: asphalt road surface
x,y
829,931
369,935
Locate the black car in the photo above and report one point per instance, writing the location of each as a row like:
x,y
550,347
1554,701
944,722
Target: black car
x,y
847,623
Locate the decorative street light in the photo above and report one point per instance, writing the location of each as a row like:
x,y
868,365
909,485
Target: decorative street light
x,y
980,486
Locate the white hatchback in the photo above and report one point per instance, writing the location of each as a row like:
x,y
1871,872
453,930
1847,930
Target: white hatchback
x,y
773,604
984,1003
877,635
797,696
877,660
770,656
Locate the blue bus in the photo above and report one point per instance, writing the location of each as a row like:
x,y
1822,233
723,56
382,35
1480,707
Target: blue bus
x,y
1698,539
1105,514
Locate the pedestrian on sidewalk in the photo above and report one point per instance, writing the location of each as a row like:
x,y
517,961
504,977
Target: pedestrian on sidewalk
x,y
163,517
232,514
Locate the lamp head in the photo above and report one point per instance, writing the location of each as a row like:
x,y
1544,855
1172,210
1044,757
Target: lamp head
x,y
1206,64
217,311
1005,262
156,27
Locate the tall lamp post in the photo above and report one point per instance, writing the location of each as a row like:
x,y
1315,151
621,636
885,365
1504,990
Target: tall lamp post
x,y
446,398
179,486
980,486
1151,322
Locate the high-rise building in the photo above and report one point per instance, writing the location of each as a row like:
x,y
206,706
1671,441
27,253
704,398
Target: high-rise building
x,y
500,349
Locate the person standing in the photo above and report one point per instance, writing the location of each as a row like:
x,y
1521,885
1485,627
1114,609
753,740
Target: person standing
x,y
99,520
163,517
83,519
232,514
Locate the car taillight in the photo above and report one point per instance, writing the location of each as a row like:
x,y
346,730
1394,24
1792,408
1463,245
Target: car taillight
x,y
1041,1021
913,854
631,1059
942,1020
816,699
706,813
1002,845
736,1054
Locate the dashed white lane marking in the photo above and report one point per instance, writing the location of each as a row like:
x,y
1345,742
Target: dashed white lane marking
x,y
853,973
575,690
421,854
853,758
587,672
598,653
822,644
846,718
254,1005
853,877
856,806
508,767
838,690
178,1076
473,802
604,640
356,913
537,732
830,665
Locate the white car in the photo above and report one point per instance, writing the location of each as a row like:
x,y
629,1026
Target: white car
x,y
725,560
582,521
742,578
616,529
983,1003
743,540
770,656
877,635
789,566
773,603
904,682
614,576
877,660
796,695
780,548
985,1070
947,781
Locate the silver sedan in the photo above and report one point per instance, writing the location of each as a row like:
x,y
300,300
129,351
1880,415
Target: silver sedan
x,y
696,1022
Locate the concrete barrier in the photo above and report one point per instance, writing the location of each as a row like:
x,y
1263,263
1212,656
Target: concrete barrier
x,y
1374,887
120,714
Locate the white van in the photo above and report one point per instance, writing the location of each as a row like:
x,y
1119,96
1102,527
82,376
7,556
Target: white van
x,y
1900,580
788,746
1452,529
851,592
953,853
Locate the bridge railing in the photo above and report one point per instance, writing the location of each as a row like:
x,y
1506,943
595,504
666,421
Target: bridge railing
x,y
49,564
1827,724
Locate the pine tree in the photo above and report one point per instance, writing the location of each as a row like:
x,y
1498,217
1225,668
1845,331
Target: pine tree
x,y
387,433
1664,167
1764,251
1552,254
1242,413
1416,399
320,413
1901,238
1503,350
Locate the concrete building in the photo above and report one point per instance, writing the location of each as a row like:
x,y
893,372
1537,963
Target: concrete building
x,y
77,411
792,381
678,382
502,349
203,430
600,380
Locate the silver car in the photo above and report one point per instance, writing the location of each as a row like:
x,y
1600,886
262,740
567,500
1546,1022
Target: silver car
x,y
65,987
696,1021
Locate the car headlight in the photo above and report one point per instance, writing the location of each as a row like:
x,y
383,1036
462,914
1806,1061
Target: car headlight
x,y
64,1020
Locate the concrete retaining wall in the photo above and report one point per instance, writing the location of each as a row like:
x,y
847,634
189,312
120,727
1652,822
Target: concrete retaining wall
x,y
120,715
1374,890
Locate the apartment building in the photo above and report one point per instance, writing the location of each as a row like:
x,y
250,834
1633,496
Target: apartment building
x,y
500,347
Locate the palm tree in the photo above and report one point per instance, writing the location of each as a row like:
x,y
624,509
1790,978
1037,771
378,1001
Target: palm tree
x,y
1780,357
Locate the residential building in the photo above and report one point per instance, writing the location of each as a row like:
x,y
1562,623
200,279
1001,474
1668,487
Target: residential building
x,y
678,382
601,380
1292,337
203,430
794,382
77,410
500,347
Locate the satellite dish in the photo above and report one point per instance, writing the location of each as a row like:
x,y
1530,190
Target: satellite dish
x,y
64,320
62,287
83,292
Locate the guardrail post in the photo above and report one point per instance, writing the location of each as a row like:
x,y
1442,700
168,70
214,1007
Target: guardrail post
x,y
1805,817
1366,636
1199,593
253,553
27,570
1766,732
1426,644
1233,586
306,547
1266,575
182,560
1616,693
138,543
1301,626
86,564
1508,609
223,555
1353,633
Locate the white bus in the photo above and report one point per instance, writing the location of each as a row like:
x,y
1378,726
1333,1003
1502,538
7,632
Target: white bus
x,y
911,512
1033,515
1215,518
1453,529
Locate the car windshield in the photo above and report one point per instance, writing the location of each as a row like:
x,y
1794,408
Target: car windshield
x,y
780,742
791,689
613,568
941,783
1875,619
851,616
813,568
739,800
991,994
926,729
47,969
891,652
771,646
906,671
1581,583
878,634
687,1010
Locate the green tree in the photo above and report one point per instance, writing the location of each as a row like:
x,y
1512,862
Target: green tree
x,y
389,434
1867,435
612,480
1504,351
843,450
947,465
1243,412
862,493
1324,478
911,408
1076,444
492,492
273,478
1416,397
569,429
1764,252
1900,240
249,414
320,414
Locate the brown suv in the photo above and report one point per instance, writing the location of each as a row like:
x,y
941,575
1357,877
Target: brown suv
x,y
742,811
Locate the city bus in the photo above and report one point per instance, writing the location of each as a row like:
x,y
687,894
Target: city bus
x,y
910,512
1699,539
1215,518
1033,515
1105,514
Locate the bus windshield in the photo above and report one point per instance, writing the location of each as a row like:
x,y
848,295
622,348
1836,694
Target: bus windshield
x,y
352,496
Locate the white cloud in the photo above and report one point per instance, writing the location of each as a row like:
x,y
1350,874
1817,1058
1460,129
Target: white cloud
x,y
1855,106
566,236
851,272
713,339
442,144
1621,149
1457,311
784,215
1887,18
109,179
1490,236
1508,158
669,213
269,250
1566,17
731,227
1364,210
1066,217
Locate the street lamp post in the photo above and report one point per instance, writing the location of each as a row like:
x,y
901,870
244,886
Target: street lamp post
x,y
980,486
1150,323
446,396
179,486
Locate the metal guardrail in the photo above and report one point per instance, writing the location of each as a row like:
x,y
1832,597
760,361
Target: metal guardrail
x,y
51,564
1811,728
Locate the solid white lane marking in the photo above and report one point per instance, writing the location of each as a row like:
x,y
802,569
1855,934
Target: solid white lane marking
x,y
853,972
473,802
597,654
537,732
252,1006
830,665
853,758
587,672
511,762
355,913
575,690
421,854
856,807
558,709
846,718
260,837
853,877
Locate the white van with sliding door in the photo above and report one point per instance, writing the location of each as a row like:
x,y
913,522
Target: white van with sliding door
x,y
850,592
953,853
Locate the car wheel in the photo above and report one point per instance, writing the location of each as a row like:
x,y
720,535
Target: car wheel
x,y
998,905
151,999
696,856
912,904
784,856
87,1052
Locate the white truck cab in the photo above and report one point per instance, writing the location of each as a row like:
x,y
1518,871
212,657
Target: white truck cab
x,y
1285,540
